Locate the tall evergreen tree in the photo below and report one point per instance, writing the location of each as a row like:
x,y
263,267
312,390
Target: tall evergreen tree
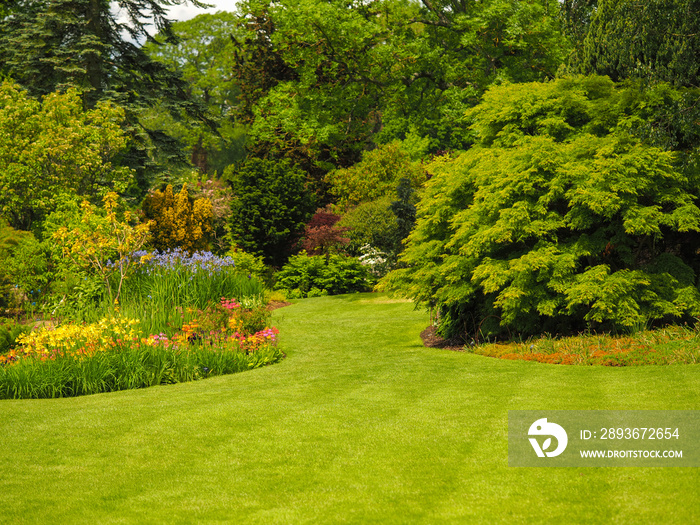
x,y
95,46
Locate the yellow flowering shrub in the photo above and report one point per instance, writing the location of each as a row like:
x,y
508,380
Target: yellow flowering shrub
x,y
103,243
178,221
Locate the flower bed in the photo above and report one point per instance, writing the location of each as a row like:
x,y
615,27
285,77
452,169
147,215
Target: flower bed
x,y
112,354
671,345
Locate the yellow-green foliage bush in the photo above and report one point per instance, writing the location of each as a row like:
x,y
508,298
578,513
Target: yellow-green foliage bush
x,y
56,147
561,217
178,221
102,243
376,175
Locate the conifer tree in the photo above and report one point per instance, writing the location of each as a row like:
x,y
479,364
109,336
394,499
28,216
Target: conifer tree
x,y
653,40
53,45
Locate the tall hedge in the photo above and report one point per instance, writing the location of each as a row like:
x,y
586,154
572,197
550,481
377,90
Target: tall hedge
x,y
559,219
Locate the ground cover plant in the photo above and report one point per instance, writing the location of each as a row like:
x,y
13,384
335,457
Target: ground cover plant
x,y
359,424
667,346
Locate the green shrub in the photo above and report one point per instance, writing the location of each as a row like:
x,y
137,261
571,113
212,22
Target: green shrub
x,y
313,275
250,264
559,219
375,176
23,267
56,147
271,205
371,223
9,332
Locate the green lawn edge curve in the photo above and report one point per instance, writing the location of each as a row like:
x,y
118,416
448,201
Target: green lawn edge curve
x,y
359,424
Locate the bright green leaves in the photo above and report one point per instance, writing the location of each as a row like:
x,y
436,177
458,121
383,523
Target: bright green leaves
x,y
55,147
333,76
609,296
376,175
204,54
551,220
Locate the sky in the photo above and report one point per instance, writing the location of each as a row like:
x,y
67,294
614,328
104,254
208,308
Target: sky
x,y
185,12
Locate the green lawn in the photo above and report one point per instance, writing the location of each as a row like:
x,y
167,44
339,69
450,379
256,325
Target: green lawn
x,y
360,424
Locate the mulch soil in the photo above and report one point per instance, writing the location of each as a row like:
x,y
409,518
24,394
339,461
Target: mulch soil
x,y
274,305
432,340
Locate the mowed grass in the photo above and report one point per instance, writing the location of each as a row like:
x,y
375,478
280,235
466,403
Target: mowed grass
x,y
360,424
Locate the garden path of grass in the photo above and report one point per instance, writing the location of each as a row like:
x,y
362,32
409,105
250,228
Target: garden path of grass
x,y
360,424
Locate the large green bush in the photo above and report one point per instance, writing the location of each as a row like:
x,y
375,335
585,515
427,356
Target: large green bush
x,y
371,223
379,227
312,275
560,218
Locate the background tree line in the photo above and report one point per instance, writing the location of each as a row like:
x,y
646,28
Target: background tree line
x,y
345,108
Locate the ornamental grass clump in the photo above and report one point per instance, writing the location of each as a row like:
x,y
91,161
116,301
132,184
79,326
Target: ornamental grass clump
x,y
166,283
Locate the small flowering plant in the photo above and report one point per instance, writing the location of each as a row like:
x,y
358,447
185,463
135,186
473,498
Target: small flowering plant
x,y
229,304
73,340
178,259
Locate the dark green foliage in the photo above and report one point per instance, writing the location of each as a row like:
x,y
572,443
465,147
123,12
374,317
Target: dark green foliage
x,y
559,219
311,275
54,44
270,207
404,208
654,40
376,229
203,53
576,16
9,332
